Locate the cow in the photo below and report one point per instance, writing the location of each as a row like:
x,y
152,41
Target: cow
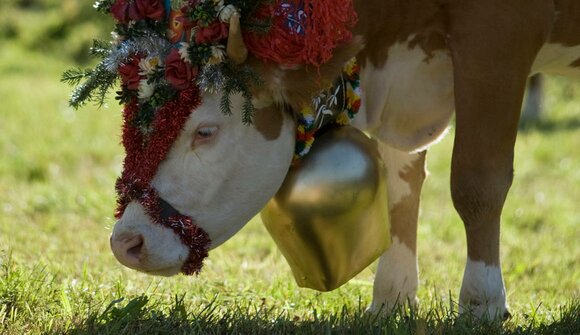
x,y
423,63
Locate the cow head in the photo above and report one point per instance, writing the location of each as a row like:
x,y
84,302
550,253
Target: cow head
x,y
194,175
220,171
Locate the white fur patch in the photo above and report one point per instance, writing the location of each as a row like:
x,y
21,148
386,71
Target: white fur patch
x,y
397,278
396,161
410,100
483,291
556,59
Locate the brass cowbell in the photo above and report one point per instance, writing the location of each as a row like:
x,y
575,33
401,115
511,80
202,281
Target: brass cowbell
x,y
330,217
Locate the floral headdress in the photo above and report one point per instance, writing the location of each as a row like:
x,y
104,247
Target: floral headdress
x,y
167,53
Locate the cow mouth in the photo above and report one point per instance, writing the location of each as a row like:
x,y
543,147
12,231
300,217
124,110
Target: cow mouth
x,y
161,212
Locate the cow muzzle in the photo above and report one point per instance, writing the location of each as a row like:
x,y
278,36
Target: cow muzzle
x,y
164,244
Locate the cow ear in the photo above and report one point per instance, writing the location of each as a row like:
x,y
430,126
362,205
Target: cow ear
x,y
297,86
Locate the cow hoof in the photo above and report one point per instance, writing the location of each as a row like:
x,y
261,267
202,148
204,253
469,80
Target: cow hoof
x,y
386,308
488,311
483,292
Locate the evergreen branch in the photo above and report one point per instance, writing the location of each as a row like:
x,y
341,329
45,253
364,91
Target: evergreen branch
x,y
226,102
248,109
74,76
103,6
99,80
100,49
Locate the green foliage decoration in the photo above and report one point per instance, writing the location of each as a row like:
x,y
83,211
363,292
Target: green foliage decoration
x,y
148,40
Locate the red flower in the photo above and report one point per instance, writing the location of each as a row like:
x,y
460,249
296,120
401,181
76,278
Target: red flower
x,y
215,32
120,10
130,73
177,72
141,9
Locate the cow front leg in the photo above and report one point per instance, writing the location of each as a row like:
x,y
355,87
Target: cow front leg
x,y
492,52
397,279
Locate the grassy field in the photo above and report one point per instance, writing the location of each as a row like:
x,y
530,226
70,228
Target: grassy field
x,y
57,275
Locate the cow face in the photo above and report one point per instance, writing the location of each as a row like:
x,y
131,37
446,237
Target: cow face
x,y
220,172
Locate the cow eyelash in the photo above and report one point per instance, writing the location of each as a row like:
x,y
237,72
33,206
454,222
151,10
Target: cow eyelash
x,y
204,134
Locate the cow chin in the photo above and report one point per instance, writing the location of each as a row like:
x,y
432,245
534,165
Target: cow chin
x,y
140,244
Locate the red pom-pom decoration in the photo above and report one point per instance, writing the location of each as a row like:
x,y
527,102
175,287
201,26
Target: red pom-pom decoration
x,y
302,31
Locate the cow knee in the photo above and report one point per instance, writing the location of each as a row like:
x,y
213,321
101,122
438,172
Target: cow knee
x,y
479,194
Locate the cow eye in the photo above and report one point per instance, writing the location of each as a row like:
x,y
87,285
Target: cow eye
x,y
204,134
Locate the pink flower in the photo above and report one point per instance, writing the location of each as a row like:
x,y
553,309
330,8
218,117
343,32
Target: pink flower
x,y
120,10
141,9
130,73
215,32
177,72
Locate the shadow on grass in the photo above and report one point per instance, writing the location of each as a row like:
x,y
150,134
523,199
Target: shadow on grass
x,y
135,318
549,126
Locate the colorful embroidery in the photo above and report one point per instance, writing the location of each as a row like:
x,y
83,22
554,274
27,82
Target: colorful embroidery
x,y
338,105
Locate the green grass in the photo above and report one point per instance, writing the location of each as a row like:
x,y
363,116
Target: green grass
x,y
57,274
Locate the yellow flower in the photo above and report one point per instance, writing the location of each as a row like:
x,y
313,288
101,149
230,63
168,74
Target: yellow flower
x,y
343,119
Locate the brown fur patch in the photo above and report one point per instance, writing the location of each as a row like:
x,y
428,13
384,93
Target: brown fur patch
x,y
575,63
268,121
404,214
384,23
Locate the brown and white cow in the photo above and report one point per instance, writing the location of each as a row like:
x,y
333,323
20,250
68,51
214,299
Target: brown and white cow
x,y
422,61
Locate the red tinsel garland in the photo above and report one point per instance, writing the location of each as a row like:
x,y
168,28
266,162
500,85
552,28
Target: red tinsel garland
x,y
303,31
143,156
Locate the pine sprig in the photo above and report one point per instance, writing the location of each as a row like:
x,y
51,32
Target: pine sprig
x,y
73,77
100,49
239,80
95,87
103,6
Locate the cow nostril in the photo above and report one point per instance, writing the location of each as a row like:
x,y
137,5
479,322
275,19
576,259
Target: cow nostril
x,y
135,250
128,249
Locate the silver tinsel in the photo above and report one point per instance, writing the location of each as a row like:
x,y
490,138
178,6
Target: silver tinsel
x,y
210,78
151,45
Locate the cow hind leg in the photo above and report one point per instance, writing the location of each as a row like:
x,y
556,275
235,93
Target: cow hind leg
x,y
397,279
491,63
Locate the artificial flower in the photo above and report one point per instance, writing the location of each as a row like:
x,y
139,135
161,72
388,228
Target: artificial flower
x,y
120,11
150,9
213,33
179,27
146,89
129,72
148,64
177,72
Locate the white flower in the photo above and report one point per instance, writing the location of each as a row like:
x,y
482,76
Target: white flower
x,y
183,52
218,54
148,64
145,89
225,13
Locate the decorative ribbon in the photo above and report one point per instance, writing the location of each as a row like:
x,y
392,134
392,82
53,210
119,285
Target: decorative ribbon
x,y
338,105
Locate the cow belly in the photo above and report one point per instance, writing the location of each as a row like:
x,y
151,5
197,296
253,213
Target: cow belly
x,y
558,59
408,101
